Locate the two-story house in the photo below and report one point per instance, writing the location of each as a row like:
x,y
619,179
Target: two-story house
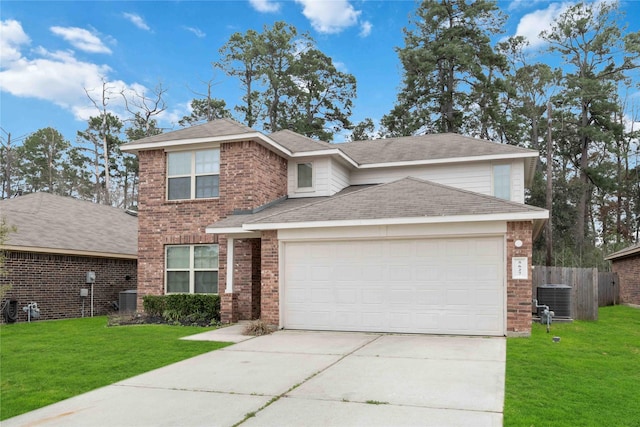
x,y
421,234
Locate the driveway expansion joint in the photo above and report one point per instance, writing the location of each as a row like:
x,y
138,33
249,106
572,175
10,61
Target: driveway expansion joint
x,y
285,394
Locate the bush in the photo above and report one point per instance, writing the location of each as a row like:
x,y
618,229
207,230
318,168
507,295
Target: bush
x,y
257,328
184,308
154,305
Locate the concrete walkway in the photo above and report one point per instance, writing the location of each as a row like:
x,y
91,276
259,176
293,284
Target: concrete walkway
x,y
296,378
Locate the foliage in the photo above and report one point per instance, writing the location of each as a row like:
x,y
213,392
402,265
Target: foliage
x,y
205,110
588,378
596,59
45,362
450,69
183,308
287,83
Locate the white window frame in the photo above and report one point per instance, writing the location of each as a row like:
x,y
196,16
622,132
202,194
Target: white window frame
x,y
192,270
313,176
192,175
495,180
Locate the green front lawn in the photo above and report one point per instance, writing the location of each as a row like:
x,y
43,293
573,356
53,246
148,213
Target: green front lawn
x,y
590,378
47,361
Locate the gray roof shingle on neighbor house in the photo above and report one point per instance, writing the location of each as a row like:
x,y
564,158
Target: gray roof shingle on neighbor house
x,y
633,250
425,147
53,222
297,143
215,128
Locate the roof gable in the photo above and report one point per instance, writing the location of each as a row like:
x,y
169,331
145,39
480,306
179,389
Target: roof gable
x,y
63,224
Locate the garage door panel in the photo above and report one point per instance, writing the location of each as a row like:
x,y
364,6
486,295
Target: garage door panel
x,y
447,286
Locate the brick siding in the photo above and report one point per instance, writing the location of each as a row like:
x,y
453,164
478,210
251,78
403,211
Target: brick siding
x,y
519,291
628,270
54,282
250,176
270,302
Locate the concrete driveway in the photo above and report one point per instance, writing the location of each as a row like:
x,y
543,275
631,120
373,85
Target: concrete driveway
x,y
296,378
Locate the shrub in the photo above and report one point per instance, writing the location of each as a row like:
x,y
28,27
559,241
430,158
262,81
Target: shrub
x,y
154,305
257,328
184,308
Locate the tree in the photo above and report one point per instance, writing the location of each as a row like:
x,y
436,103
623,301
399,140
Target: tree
x,y
287,83
8,162
205,110
240,57
596,57
449,68
102,134
363,130
42,157
320,98
101,125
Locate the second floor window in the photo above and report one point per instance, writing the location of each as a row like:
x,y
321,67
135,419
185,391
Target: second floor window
x,y
193,174
305,175
502,181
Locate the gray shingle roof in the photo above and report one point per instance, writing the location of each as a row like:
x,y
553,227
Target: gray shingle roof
x,y
299,143
62,223
633,250
215,128
234,221
405,198
425,147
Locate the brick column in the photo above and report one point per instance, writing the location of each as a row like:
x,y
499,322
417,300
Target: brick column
x,y
269,289
519,290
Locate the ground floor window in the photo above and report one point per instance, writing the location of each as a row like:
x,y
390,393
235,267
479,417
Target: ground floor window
x,y
192,269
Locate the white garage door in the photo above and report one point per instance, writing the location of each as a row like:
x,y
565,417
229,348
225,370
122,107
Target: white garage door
x,y
438,286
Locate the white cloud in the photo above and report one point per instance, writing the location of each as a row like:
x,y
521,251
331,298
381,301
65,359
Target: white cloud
x,y
55,76
329,16
365,28
137,20
197,31
265,6
532,24
81,39
12,36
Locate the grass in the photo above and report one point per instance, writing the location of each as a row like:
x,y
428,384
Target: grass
x,y
590,378
45,362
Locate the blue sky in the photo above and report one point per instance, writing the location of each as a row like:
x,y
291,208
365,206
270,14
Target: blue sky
x,y
51,50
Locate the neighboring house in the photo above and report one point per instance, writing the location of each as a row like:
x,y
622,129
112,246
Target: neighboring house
x,y
627,264
56,242
422,234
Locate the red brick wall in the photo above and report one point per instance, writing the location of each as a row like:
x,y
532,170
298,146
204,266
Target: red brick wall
x,y
519,291
250,176
245,282
54,283
628,270
270,301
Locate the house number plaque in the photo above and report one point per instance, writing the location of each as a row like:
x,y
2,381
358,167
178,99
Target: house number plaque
x,y
519,268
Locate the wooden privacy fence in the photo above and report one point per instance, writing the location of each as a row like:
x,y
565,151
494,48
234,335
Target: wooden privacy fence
x,y
608,289
584,287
